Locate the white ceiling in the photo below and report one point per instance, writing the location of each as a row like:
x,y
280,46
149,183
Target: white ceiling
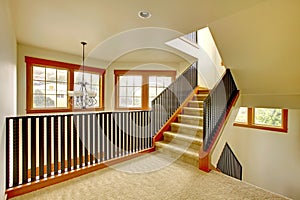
x,y
61,24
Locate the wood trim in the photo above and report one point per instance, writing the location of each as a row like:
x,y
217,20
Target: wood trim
x,y
204,156
20,190
251,123
159,135
30,62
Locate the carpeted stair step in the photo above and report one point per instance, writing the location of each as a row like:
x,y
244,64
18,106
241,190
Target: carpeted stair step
x,y
195,104
190,156
187,129
186,141
192,120
199,97
193,111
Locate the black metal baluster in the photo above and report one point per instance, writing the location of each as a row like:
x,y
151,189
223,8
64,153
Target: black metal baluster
x,y
16,146
75,141
33,149
105,136
41,148
86,140
80,132
49,148
25,149
101,150
8,156
69,141
55,145
96,134
91,133
62,144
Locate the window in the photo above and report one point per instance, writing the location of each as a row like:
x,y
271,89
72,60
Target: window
x,y
262,118
48,83
137,88
156,85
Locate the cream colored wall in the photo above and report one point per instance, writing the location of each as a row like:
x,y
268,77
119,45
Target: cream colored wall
x,y
270,160
25,50
8,80
208,72
110,81
261,45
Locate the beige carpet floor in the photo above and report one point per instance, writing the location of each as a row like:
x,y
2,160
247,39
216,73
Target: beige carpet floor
x,y
151,176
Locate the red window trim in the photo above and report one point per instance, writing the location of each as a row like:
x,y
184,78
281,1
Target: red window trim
x,y
250,122
31,61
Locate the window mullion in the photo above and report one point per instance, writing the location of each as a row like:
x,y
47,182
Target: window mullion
x,y
250,116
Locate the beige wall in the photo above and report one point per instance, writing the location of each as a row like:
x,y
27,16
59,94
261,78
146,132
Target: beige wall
x,y
8,93
270,160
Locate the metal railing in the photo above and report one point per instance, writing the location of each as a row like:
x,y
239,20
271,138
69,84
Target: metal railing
x,y
38,146
215,107
168,101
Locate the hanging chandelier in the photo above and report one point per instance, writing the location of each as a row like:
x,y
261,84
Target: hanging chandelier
x,y
83,98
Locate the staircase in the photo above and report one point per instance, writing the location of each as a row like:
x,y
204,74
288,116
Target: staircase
x,y
185,137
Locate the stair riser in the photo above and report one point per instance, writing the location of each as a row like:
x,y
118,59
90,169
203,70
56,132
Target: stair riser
x,y
195,104
196,122
185,144
179,156
192,132
199,98
193,112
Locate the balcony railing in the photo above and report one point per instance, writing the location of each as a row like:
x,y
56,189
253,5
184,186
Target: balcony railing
x,y
39,147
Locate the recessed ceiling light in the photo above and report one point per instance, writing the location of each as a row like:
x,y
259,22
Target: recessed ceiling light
x,y
144,14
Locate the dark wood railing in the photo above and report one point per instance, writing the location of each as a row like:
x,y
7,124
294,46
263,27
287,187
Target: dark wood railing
x,y
167,102
38,147
215,108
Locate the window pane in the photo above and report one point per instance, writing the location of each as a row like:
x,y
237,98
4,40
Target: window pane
x,y
62,88
50,74
152,91
130,80
123,81
77,77
129,101
137,92
95,79
38,101
129,91
242,116
122,91
62,100
268,116
62,76
152,80
50,101
122,102
160,81
38,87
38,73
137,102
50,88
167,81
87,78
137,81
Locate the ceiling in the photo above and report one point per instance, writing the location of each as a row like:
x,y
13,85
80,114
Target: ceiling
x,y
60,25
258,39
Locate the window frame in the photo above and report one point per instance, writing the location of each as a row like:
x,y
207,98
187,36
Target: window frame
x,y
145,85
250,122
31,62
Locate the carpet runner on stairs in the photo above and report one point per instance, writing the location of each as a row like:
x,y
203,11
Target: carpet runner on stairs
x,y
185,137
